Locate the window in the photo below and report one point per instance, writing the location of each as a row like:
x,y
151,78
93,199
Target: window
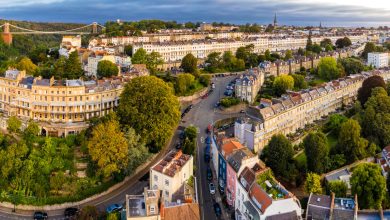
x,y
166,193
167,182
155,177
152,209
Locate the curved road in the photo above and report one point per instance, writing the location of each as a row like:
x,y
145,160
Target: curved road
x,y
200,116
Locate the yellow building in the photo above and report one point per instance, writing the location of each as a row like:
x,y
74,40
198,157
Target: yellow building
x,y
61,107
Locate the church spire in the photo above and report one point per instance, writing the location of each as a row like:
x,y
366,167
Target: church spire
x,y
320,24
275,21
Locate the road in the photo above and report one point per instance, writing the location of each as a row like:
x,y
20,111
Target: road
x,y
200,116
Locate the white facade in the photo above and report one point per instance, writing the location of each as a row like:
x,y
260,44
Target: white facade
x,y
93,62
170,173
378,60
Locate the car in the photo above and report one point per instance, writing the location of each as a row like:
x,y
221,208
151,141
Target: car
x,y
178,146
113,208
190,106
217,209
208,140
69,212
39,215
212,188
183,114
209,174
182,135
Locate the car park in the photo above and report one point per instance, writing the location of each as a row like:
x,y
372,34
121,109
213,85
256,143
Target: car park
x,y
114,208
39,215
212,188
217,209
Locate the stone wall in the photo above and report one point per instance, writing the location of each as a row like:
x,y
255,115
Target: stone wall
x,y
197,95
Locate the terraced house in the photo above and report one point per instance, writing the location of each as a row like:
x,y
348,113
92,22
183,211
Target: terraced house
x,y
297,109
60,107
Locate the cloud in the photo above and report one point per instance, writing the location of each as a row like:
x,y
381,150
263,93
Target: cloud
x,y
298,12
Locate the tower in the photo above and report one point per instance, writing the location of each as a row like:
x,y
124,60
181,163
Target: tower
x,y
275,21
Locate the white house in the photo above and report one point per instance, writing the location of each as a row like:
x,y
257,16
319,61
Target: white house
x,y
378,60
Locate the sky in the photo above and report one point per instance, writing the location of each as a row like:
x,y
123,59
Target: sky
x,y
290,12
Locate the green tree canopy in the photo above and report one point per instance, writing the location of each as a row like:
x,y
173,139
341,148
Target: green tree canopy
x,y
153,60
334,123
214,62
368,48
288,55
368,84
282,84
278,155
369,185
328,69
150,107
351,65
316,150
350,143
299,82
73,69
325,42
183,83
189,63
343,42
14,124
107,68
108,147
339,188
139,57
313,183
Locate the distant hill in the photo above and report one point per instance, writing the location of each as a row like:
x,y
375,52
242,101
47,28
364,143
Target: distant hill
x,y
43,26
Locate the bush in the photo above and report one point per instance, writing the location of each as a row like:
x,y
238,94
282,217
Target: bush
x,y
205,80
229,101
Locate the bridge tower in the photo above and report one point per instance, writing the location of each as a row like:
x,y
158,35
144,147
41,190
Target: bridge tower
x,y
6,35
94,28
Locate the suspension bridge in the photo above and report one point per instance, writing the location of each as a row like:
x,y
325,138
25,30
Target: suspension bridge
x,y
10,29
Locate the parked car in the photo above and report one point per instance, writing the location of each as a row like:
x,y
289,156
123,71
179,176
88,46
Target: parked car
x,y
217,209
178,145
208,140
70,212
113,208
209,174
182,135
39,215
212,188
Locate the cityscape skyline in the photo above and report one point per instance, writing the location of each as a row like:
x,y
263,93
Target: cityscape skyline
x,y
297,12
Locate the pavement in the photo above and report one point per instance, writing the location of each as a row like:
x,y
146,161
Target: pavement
x,y
202,114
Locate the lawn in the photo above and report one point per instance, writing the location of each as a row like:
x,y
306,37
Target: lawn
x,y
197,86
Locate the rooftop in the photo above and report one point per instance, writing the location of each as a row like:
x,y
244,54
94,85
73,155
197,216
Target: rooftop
x,y
186,211
172,163
273,189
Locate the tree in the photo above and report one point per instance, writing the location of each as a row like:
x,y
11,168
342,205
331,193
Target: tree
x,y
153,60
316,150
313,183
328,69
309,42
191,132
107,68
205,80
278,155
369,185
351,65
339,188
299,82
26,64
368,48
139,57
59,68
184,82
108,147
14,124
288,55
113,216
301,52
189,63
57,181
334,123
343,42
150,107
325,42
368,84
316,48
350,143
128,50
214,62
31,131
282,84
73,69
137,153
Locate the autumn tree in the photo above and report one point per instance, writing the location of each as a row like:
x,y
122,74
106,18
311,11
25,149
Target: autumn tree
x,y
149,106
369,185
282,84
368,84
26,64
313,183
108,147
